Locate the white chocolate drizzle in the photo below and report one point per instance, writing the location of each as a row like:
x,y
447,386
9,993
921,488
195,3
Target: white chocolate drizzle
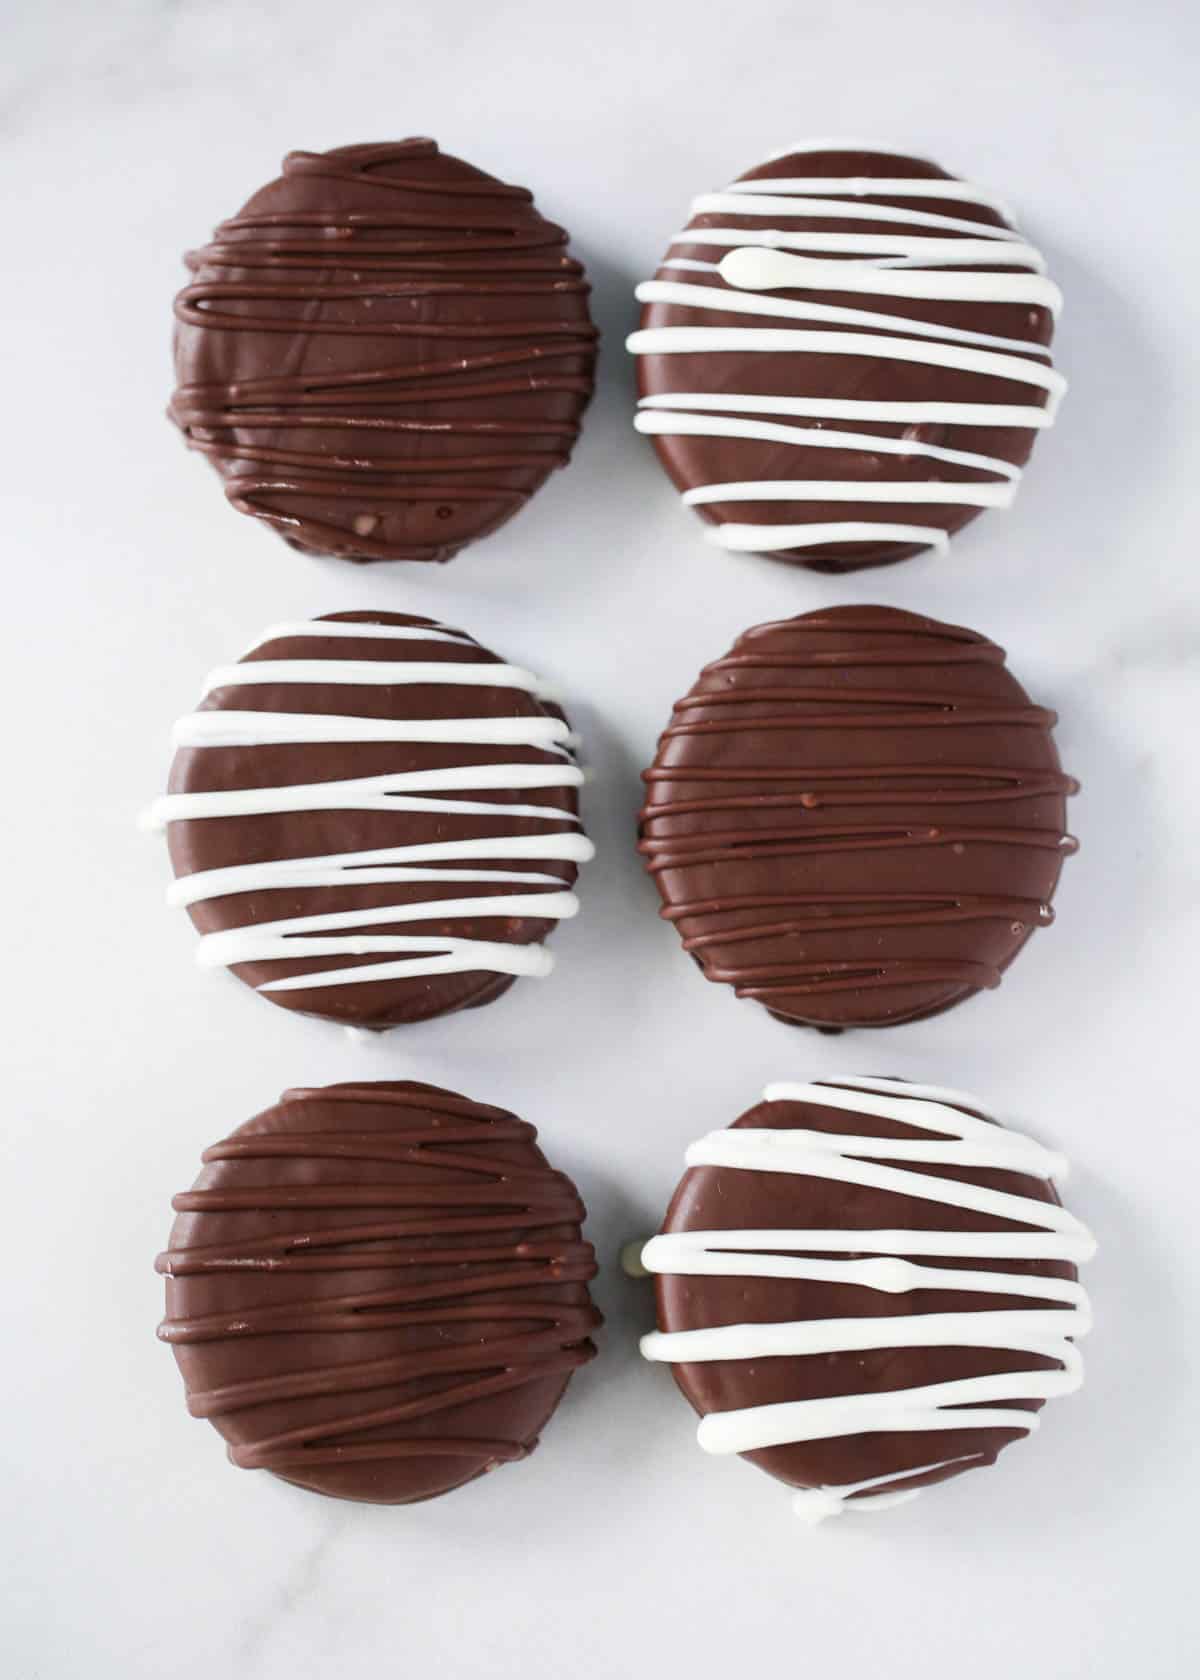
x,y
342,933
938,262
1046,1330
331,629
379,673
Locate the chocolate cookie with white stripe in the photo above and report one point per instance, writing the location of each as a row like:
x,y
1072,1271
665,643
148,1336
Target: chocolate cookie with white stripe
x,y
856,817
844,356
865,1287
373,819
379,1291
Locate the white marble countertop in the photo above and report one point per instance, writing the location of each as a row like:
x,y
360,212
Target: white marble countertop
x,y
130,1547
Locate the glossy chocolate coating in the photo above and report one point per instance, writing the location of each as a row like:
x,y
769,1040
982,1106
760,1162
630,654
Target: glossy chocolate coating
x,y
225,842
691,461
722,1199
384,353
378,1291
856,817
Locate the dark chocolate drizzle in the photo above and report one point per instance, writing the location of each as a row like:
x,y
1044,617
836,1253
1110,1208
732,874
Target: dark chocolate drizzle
x,y
472,1289
384,353
897,808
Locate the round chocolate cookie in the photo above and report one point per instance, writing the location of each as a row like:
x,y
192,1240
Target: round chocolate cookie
x,y
864,1287
384,353
856,817
844,357
372,819
378,1291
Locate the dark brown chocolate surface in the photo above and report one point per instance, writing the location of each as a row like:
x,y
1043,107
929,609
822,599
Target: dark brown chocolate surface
x,y
856,817
378,1291
692,461
724,1199
384,352
223,842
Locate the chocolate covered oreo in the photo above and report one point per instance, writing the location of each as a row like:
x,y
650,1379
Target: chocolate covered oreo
x,y
856,817
866,1287
378,1291
844,356
384,353
373,819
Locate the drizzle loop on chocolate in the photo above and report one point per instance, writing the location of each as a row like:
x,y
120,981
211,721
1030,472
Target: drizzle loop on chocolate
x,y
936,1133
458,1224
385,353
859,278
856,802
464,850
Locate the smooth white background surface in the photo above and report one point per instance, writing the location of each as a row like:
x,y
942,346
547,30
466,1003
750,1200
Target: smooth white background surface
x,y
132,1548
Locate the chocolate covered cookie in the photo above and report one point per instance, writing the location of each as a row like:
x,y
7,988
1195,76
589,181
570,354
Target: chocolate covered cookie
x,y
856,817
373,819
378,1291
844,357
865,1287
384,353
